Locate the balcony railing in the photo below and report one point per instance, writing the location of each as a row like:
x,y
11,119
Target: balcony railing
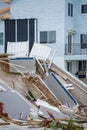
x,y
76,49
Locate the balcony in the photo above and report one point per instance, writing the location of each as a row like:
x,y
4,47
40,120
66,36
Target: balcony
x,y
76,49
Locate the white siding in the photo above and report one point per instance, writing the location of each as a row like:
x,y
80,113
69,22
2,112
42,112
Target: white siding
x,y
50,15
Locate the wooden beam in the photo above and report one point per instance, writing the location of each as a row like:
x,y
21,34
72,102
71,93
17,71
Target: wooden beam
x,y
6,1
4,10
5,16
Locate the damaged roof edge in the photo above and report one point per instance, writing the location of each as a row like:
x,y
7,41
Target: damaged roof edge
x,y
6,1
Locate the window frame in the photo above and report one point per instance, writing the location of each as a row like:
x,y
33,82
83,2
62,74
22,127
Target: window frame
x,y
70,9
82,65
82,39
1,38
83,11
48,39
42,34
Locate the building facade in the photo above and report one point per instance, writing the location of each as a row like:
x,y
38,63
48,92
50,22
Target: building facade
x,y
76,36
60,25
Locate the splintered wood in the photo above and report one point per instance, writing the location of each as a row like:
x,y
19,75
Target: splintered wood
x,y
37,82
3,60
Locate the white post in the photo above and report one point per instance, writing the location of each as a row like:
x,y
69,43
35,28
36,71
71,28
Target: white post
x,y
52,58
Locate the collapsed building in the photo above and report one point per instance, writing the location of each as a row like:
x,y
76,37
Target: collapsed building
x,y
39,79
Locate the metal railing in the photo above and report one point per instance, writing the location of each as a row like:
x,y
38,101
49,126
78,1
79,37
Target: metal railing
x,y
76,49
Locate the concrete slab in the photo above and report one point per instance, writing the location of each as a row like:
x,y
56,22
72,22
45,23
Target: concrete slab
x,y
15,103
56,87
27,64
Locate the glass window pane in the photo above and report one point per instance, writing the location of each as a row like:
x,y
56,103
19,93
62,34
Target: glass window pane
x,y
84,65
68,9
43,37
80,65
85,38
1,38
69,43
84,8
52,37
71,9
83,41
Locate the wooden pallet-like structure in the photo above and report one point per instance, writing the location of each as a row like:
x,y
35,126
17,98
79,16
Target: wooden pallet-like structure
x,y
37,82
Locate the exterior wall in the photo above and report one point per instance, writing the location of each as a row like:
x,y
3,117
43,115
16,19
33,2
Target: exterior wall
x,y
50,15
69,21
80,20
78,24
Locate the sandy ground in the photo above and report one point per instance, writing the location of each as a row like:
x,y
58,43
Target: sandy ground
x,y
15,127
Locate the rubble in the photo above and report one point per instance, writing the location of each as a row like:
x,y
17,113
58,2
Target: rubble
x,y
32,86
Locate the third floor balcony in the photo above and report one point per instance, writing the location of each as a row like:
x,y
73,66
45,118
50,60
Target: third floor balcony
x,y
76,49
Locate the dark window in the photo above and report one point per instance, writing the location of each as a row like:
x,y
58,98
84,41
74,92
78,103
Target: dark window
x,y
43,37
69,66
84,8
82,65
52,36
69,43
1,38
9,32
83,38
25,30
31,33
22,30
48,37
70,9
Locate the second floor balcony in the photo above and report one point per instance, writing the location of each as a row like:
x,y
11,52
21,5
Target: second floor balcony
x,y
76,49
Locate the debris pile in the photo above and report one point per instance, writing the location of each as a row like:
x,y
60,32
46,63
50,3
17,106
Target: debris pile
x,y
50,111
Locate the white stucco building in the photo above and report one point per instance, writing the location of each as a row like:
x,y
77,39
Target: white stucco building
x,y
58,24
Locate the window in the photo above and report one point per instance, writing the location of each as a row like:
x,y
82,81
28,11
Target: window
x,y
69,66
83,38
1,38
82,65
69,43
21,30
84,8
48,37
70,9
43,37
